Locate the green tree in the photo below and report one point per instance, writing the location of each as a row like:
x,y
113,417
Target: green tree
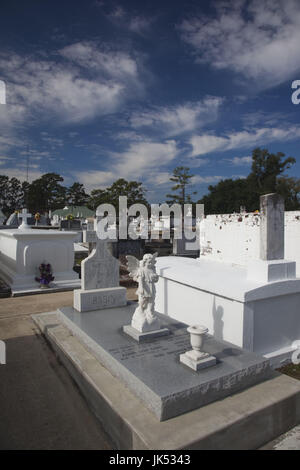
x,y
97,197
289,188
227,196
12,194
76,195
182,178
16,194
46,193
266,176
133,190
266,169
4,194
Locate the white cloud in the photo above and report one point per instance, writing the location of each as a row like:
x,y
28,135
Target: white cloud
x,y
139,24
198,179
257,39
94,179
207,143
84,83
174,120
20,173
109,64
140,161
53,142
136,24
239,161
142,157
159,178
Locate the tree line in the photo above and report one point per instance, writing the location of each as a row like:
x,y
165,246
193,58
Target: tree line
x,y
228,195
48,193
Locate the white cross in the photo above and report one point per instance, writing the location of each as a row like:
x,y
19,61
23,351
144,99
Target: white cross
x,y
24,216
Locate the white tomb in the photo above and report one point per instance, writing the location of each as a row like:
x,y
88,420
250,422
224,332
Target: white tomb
x,y
23,250
255,306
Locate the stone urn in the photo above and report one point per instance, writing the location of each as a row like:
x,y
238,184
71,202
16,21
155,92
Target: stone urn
x,y
195,358
197,337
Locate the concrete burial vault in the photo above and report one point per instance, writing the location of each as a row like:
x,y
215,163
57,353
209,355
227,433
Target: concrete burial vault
x,y
22,252
253,305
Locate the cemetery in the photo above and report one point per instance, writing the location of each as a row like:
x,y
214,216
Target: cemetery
x,y
212,324
149,227
197,354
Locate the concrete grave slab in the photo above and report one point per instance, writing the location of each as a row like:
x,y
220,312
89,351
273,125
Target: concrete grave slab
x,y
152,370
246,420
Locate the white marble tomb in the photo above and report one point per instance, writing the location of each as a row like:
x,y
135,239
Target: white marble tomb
x,y
23,250
255,306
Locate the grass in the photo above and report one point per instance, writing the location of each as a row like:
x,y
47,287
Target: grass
x,y
293,370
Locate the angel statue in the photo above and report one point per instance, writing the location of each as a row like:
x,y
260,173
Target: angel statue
x,y
143,272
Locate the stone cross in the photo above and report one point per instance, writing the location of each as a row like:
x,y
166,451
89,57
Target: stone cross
x,y
24,216
271,227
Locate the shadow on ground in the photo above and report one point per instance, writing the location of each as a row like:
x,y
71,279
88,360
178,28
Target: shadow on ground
x,y
40,406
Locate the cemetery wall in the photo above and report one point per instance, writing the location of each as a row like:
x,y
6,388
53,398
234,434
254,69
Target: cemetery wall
x,y
235,238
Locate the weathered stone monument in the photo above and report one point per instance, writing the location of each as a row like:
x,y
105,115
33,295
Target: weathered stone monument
x,y
100,281
272,227
271,266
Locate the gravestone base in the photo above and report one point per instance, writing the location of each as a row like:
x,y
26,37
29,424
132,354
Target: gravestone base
x,y
97,299
271,271
144,336
190,360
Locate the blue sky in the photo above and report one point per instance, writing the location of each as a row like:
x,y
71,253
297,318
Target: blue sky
x,y
98,90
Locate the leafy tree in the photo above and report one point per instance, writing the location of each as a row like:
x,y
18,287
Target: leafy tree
x,y
181,177
4,194
266,168
12,194
46,193
16,194
97,197
133,190
289,188
227,196
76,195
266,176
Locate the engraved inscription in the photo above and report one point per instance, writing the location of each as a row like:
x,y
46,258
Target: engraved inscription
x,y
173,344
104,300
